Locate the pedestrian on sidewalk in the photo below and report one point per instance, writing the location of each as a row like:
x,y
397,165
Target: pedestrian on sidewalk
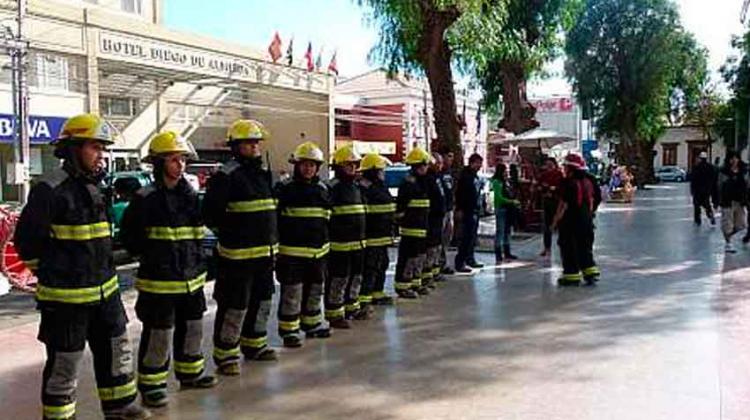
x,y
549,187
240,208
347,229
381,208
579,199
302,267
732,198
63,236
469,204
503,207
703,188
437,194
164,228
412,216
446,177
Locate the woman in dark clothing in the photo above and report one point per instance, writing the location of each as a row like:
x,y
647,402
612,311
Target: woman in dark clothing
x,y
732,198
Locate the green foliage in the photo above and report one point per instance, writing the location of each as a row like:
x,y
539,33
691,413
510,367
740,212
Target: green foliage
x,y
736,72
402,23
630,59
531,36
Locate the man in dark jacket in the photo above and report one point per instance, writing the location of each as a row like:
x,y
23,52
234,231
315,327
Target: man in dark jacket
x,y
703,188
469,203
437,194
240,208
446,177
163,226
64,237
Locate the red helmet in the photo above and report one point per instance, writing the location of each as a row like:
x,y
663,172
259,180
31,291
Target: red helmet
x,y
575,161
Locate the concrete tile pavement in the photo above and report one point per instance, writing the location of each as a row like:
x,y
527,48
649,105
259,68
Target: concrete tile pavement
x,y
664,336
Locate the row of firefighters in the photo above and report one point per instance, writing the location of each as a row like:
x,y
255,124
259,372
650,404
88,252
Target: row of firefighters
x,y
327,242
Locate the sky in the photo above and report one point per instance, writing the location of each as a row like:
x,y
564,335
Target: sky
x,y
341,25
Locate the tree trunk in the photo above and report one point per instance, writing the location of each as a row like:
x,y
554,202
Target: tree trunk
x,y
518,113
435,56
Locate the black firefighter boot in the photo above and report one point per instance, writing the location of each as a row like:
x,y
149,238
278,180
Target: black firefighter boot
x,y
507,254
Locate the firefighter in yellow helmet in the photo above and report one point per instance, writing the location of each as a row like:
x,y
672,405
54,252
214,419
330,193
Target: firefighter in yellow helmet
x,y
240,207
347,229
412,210
304,211
163,226
379,227
64,236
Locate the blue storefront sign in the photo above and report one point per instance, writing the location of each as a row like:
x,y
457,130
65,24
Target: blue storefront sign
x,y
42,130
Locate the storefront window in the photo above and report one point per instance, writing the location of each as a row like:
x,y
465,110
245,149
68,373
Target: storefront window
x,y
132,6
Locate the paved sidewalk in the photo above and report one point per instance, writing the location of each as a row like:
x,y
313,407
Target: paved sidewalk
x,y
664,336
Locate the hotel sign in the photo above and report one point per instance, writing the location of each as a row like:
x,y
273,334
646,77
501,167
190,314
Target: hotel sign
x,y
182,58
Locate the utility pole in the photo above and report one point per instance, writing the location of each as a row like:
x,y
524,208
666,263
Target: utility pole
x,y
426,116
17,47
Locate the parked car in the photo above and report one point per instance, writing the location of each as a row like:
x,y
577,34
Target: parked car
x,y
671,174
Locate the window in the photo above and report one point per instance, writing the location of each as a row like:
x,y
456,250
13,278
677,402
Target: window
x,y
119,107
51,72
132,6
669,158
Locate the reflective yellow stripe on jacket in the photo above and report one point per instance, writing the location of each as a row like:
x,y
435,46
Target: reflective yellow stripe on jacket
x,y
419,203
248,253
350,209
346,246
182,233
81,232
170,287
386,241
252,206
79,295
381,208
304,252
306,212
414,233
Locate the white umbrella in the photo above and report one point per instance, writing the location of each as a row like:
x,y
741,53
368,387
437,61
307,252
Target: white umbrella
x,y
540,138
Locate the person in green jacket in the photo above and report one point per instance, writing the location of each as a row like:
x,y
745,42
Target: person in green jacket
x,y
503,205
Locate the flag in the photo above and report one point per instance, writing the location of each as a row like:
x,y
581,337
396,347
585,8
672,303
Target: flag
x,y
309,57
290,53
274,49
319,60
332,66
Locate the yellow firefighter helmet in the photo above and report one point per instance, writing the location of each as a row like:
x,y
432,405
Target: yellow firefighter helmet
x,y
247,130
346,154
308,151
169,142
418,156
86,127
373,161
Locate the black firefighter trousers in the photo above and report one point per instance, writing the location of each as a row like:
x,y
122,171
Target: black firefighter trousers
x,y
65,329
172,326
243,293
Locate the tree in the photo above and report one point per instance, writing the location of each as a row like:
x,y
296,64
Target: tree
x,y
630,59
424,36
736,72
530,38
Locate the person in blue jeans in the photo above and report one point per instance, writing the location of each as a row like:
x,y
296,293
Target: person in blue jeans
x,y
503,205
